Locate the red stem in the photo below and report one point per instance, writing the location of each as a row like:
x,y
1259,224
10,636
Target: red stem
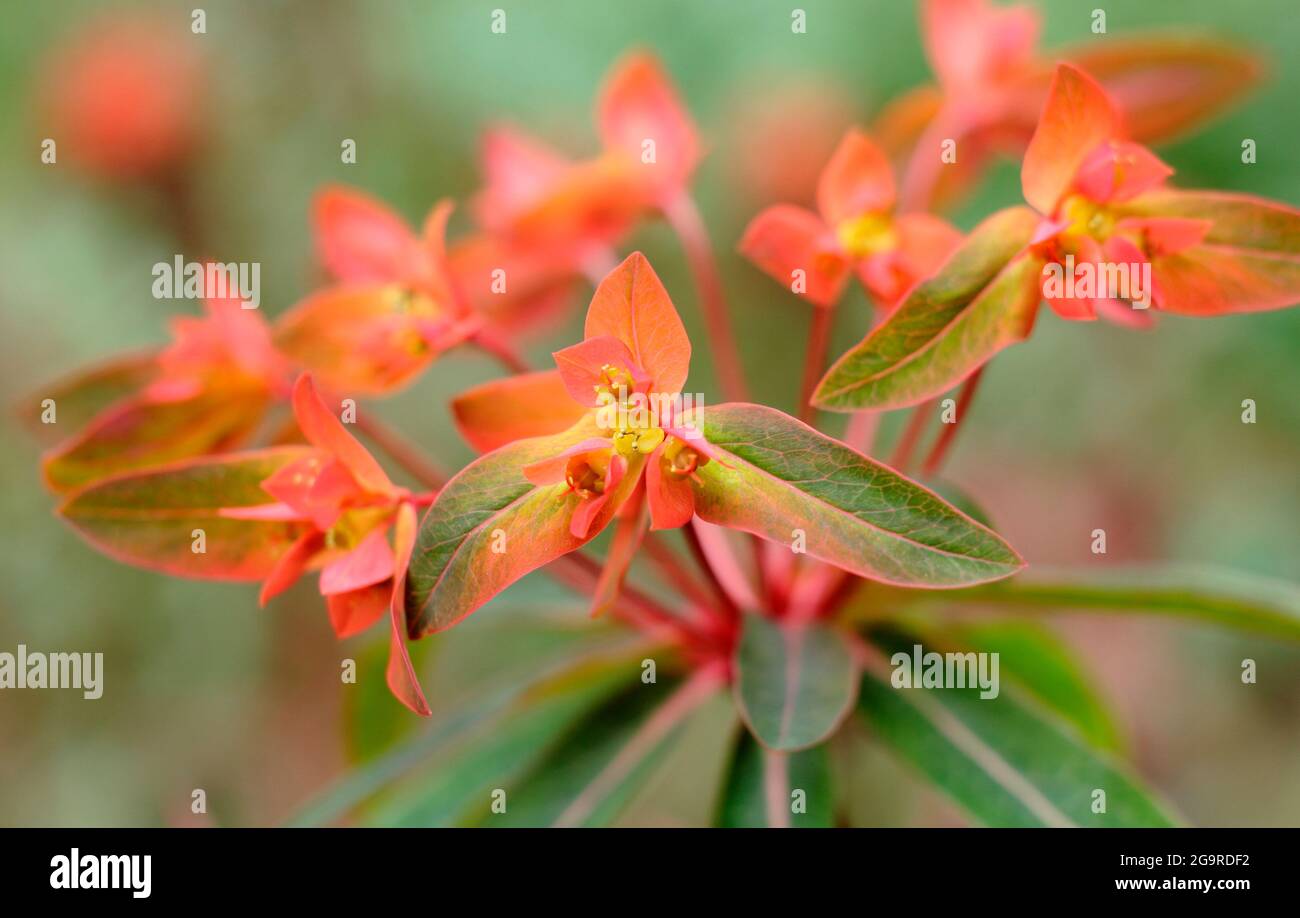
x,y
814,365
943,443
686,222
725,603
902,456
402,451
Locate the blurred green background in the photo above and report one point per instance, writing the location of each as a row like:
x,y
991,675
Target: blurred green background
x,y
1086,426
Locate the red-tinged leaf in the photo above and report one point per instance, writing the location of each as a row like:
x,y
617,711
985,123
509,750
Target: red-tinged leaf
x,y
1076,119
784,240
326,432
490,504
795,683
138,432
368,340
360,239
160,518
632,305
983,299
783,481
924,243
1248,259
639,104
401,677
629,530
515,408
79,397
1166,85
857,180
356,610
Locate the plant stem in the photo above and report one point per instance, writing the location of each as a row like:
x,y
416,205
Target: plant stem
x,y
401,450
814,365
684,217
934,460
902,456
670,566
725,602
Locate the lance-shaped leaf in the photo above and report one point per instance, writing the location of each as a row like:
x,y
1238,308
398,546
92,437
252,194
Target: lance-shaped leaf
x,y
1231,599
1039,663
455,791
763,788
139,433
794,682
196,518
588,779
514,408
983,299
1005,761
78,398
1248,260
490,526
784,481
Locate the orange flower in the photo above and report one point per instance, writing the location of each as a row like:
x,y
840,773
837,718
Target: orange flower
x,y
854,231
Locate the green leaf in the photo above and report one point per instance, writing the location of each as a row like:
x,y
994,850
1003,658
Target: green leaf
x,y
137,434
794,684
152,519
782,480
590,777
744,801
1232,599
1003,760
457,565
983,299
1041,664
460,725
372,723
82,396
458,790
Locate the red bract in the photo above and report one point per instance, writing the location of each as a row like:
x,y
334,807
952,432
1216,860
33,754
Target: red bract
x,y
271,515
123,98
854,231
992,81
1105,209
207,391
575,211
395,308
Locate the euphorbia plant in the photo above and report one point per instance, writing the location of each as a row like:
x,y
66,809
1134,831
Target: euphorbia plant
x,y
754,566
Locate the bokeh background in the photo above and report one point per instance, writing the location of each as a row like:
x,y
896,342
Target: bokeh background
x,y
1086,426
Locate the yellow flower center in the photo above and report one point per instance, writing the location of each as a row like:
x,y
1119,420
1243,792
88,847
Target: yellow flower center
x,y
867,235
1088,218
